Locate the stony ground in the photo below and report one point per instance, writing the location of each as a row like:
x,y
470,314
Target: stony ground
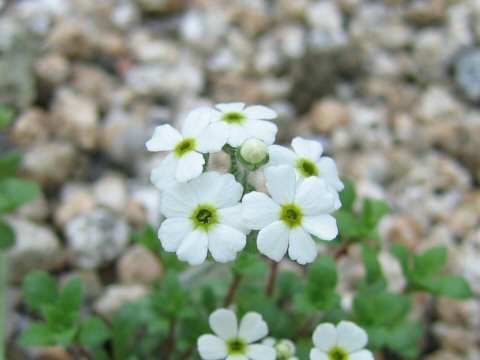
x,y
390,87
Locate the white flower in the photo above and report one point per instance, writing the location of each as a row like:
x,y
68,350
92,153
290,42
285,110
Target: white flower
x,y
295,210
203,214
343,342
201,134
284,348
233,342
307,160
247,122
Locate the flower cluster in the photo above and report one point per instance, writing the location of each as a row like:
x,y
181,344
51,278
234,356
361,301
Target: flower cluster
x,y
211,212
346,341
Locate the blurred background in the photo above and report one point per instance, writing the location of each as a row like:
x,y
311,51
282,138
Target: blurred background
x,y
391,88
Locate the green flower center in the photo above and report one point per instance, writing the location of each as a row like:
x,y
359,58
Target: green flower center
x,y
236,346
283,351
291,215
185,146
307,168
337,354
233,117
204,216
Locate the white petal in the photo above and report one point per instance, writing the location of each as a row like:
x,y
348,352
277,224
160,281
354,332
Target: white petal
x,y
230,107
211,347
224,242
325,337
173,231
361,355
301,246
337,204
229,191
212,138
164,174
252,327
259,112
261,352
351,337
194,248
322,226
281,183
328,171
259,210
189,166
178,200
272,240
236,135
197,120
237,357
314,197
165,137
280,155
316,354
224,323
309,149
232,216
262,130
206,187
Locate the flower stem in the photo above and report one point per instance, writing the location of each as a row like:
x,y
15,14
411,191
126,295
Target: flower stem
x,y
239,171
231,291
3,298
170,344
271,277
341,250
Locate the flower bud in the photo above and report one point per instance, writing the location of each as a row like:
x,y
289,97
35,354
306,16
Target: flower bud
x,y
254,151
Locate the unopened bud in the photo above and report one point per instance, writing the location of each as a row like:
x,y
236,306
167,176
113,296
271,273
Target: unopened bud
x,y
254,151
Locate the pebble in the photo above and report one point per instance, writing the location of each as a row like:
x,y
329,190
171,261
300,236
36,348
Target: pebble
x,y
37,247
467,74
31,127
328,115
75,117
95,238
53,69
115,296
110,191
438,104
50,164
139,266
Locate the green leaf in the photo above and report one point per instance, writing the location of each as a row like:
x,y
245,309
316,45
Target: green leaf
x,y
381,309
401,253
6,116
430,262
321,282
93,331
347,224
7,236
37,335
8,165
39,289
454,286
149,239
15,192
171,299
348,195
247,264
372,212
373,270
71,296
125,323
404,338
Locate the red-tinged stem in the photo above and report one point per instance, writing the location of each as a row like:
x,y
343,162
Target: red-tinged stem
x,y
271,277
170,339
342,250
231,291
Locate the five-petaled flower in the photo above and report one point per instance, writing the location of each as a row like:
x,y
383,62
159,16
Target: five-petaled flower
x,y
346,341
235,342
307,160
203,214
201,134
294,211
247,122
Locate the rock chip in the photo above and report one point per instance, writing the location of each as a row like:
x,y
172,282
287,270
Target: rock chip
x,y
115,296
75,199
95,237
50,163
467,74
32,127
53,68
328,115
75,117
139,266
37,247
111,191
